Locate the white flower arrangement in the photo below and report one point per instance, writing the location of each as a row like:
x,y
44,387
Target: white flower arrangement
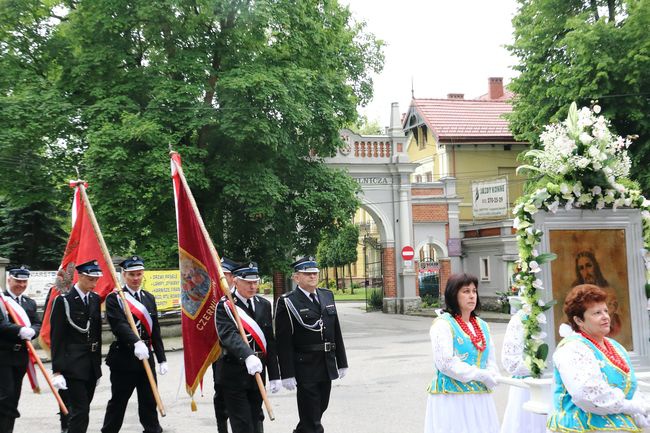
x,y
582,165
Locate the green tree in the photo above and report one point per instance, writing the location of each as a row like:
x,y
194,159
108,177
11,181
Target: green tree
x,y
38,142
338,248
252,94
584,51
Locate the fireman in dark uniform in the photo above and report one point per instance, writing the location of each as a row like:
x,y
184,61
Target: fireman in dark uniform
x,y
127,352
310,344
220,411
13,351
76,343
241,360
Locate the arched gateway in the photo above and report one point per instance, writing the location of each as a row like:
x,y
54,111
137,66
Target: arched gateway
x,y
422,215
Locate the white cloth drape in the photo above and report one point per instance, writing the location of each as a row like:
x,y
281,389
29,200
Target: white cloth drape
x,y
515,418
458,413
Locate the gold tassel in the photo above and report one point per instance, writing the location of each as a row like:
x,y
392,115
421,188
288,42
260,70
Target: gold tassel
x,y
193,405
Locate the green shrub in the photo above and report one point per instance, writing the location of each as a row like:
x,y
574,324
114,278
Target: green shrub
x,y
375,299
430,301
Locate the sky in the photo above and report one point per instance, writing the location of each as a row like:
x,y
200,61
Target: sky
x,y
444,46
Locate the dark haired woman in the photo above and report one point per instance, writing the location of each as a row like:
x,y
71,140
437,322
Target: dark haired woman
x,y
465,368
595,385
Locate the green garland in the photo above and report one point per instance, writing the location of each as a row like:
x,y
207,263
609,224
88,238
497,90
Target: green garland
x,y
573,175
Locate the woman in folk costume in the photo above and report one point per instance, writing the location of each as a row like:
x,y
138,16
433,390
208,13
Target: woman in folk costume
x,y
465,368
595,386
515,418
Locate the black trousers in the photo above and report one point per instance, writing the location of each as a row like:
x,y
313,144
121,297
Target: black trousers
x,y
313,399
244,408
80,394
64,419
122,385
220,411
11,383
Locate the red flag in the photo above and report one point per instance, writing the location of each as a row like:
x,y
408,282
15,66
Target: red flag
x,y
82,247
20,317
200,287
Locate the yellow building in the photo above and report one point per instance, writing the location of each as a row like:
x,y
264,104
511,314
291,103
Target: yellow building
x,y
467,139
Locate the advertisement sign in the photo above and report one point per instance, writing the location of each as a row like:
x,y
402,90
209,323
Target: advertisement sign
x,y
490,198
165,286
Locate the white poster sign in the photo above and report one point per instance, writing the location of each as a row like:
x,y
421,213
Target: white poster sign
x,y
490,198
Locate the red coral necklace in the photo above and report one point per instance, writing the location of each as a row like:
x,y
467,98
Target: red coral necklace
x,y
608,350
478,340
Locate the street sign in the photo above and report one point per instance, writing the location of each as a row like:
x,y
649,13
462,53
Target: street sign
x,y
408,253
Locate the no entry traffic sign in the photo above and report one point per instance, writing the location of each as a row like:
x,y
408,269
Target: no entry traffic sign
x,y
408,253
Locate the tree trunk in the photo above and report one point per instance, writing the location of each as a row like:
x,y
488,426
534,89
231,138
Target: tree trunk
x,y
611,7
336,276
350,275
343,277
327,277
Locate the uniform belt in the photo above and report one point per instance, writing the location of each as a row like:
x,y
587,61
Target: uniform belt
x,y
322,347
90,347
231,358
13,347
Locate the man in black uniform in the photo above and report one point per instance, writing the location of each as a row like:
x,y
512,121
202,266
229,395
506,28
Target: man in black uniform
x,y
241,360
310,344
76,343
13,351
127,352
220,411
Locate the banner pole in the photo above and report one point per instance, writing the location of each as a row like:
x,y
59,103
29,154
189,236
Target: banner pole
x,y
223,284
32,351
120,293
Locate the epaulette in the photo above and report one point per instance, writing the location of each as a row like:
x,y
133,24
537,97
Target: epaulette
x,y
324,289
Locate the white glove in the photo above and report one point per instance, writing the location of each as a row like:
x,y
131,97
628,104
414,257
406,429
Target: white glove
x,y
97,383
289,383
275,385
162,368
488,379
58,382
140,350
634,406
253,365
26,333
642,420
343,372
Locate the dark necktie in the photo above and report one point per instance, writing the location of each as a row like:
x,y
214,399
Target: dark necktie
x,y
85,299
137,296
314,298
249,301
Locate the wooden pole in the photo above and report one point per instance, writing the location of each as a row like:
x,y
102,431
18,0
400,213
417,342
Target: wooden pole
x,y
32,351
222,280
127,311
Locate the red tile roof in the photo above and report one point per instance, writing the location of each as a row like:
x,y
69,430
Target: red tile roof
x,y
464,120
507,95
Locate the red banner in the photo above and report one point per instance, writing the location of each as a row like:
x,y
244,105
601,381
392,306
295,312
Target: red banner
x,y
200,289
82,247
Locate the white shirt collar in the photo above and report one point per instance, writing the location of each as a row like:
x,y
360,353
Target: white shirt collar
x,y
13,295
82,295
244,300
131,291
307,293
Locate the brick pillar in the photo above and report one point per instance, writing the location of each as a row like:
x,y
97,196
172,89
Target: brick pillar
x,y
445,272
278,285
388,264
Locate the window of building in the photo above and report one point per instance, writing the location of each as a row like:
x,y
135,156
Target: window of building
x,y
484,265
429,177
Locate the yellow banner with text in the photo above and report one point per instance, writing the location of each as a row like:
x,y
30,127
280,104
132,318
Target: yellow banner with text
x,y
165,286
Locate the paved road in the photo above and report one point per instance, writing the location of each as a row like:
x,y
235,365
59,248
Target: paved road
x,y
384,392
